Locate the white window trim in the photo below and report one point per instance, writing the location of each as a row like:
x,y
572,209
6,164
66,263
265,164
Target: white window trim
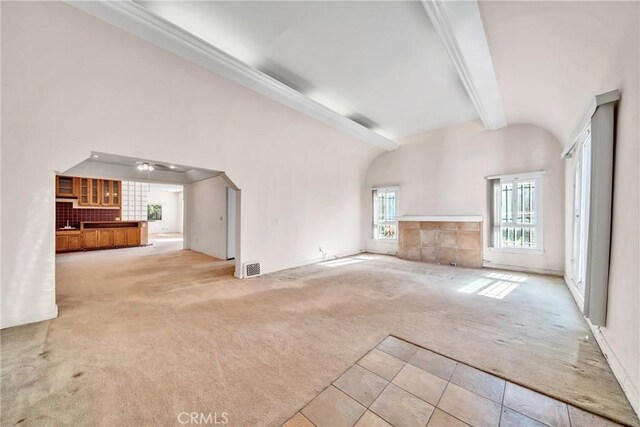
x,y
395,189
539,249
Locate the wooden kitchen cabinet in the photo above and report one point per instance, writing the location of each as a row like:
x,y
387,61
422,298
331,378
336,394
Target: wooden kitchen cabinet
x,y
90,191
62,243
65,186
102,235
68,241
119,237
133,236
95,192
105,238
89,239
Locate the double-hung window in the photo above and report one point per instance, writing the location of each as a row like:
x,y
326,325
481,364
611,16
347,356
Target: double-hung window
x,y
385,203
517,212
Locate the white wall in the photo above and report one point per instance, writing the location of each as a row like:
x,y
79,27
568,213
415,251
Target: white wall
x,y
551,59
443,173
170,211
206,217
72,83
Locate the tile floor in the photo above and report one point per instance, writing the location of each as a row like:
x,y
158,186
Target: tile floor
x,y
400,384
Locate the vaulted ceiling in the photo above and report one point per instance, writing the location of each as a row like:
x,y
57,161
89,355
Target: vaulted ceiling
x,y
381,64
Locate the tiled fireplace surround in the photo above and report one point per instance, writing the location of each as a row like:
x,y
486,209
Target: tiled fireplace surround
x,y
458,243
66,212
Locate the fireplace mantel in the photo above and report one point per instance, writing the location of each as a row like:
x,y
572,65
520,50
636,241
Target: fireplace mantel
x,y
445,239
441,218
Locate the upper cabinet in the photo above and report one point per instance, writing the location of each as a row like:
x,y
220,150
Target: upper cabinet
x,y
90,191
65,186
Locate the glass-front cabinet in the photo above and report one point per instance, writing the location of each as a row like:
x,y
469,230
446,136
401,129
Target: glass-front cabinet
x,y
105,200
98,192
95,192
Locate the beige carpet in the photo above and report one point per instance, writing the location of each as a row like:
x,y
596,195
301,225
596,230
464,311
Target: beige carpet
x,y
145,334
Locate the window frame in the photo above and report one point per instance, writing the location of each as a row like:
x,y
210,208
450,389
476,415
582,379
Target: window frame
x,y
498,224
375,222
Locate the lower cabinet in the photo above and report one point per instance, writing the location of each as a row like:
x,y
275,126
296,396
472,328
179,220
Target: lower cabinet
x,y
105,238
120,237
133,236
97,238
68,242
89,239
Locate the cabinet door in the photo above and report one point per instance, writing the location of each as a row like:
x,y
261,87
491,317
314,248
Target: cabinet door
x,y
133,236
105,238
120,237
62,243
115,193
64,186
105,194
75,243
95,192
84,196
90,239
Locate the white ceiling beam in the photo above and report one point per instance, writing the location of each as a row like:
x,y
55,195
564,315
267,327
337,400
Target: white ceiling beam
x,y
136,19
459,24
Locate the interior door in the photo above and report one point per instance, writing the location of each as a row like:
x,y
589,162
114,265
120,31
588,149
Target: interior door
x,y
231,223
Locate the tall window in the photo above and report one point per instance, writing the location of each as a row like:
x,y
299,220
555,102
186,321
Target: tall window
x,y
517,212
385,224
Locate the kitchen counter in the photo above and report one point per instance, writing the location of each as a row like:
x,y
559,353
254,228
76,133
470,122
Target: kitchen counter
x,y
111,224
102,235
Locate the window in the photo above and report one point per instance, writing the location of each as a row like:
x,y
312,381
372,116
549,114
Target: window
x,y
517,212
154,212
385,224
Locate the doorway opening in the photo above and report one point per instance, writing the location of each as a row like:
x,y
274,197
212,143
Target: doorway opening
x,y
148,223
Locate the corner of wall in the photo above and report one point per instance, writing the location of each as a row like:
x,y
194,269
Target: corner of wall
x,y
25,318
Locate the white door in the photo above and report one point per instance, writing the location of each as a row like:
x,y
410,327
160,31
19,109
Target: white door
x,y
581,186
231,223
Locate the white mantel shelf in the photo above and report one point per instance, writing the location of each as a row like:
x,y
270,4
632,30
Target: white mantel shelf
x,y
442,218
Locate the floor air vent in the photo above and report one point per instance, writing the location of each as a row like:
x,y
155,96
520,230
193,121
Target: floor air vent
x,y
252,269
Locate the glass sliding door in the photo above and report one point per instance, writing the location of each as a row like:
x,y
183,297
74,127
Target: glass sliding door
x,y
581,187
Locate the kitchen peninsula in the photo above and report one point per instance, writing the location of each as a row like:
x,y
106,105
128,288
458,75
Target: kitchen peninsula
x,y
88,216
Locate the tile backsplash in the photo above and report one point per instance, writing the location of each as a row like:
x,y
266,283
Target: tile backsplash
x,y
66,212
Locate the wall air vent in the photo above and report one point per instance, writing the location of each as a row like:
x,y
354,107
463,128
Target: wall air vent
x,y
252,269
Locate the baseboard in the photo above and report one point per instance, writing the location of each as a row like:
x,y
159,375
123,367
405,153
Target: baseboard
x,y
621,374
310,261
522,269
25,318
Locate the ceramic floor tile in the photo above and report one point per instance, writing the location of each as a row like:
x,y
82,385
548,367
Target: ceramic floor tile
x,y
361,384
442,419
369,419
469,407
401,409
580,418
398,348
536,405
423,384
298,420
382,364
434,363
511,418
333,408
479,382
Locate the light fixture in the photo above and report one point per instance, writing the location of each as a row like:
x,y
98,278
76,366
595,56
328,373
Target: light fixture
x,y
95,156
172,166
144,166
